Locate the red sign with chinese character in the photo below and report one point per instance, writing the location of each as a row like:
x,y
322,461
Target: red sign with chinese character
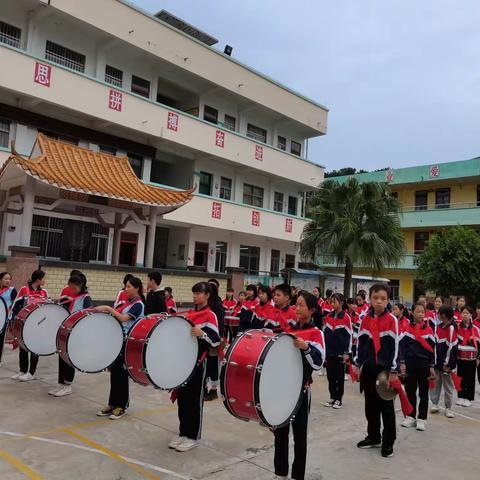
x,y
434,171
389,175
172,122
259,153
216,210
220,138
255,218
115,100
288,225
43,74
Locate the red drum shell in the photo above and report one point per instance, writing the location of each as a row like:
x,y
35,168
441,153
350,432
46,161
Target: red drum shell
x,y
231,321
467,355
19,322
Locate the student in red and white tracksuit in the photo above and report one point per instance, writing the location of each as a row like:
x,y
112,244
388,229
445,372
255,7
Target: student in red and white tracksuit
x,y
190,397
338,341
170,301
32,292
401,313
229,303
248,307
309,339
476,322
284,315
362,305
457,311
122,295
265,310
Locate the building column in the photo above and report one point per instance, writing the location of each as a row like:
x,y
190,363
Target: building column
x,y
117,233
27,217
150,240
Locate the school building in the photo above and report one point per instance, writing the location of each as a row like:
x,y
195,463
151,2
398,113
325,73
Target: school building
x,y
433,198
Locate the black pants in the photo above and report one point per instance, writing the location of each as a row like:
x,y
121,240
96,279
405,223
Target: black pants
x,y
190,404
478,371
119,388
300,429
418,372
466,370
336,377
213,370
377,409
2,341
24,363
66,373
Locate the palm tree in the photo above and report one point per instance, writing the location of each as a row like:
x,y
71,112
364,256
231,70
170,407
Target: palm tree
x,y
357,223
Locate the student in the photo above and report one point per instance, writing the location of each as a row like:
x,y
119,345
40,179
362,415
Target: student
x,y
422,299
229,303
284,316
457,312
128,313
122,295
190,396
401,313
417,360
309,339
32,292
78,299
66,294
265,310
430,315
327,307
8,294
318,315
476,322
445,360
352,312
338,343
242,296
248,307
377,351
437,303
362,305
155,301
170,301
468,356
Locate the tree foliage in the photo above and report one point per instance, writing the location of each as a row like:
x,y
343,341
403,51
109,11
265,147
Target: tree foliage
x,y
343,171
450,263
358,223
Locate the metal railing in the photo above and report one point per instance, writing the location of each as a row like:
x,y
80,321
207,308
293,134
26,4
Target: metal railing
x,y
409,261
425,208
65,61
9,40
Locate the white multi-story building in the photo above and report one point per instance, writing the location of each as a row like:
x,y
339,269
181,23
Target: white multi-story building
x,y
112,78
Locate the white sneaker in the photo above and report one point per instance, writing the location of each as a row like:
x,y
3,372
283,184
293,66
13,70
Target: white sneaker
x,y
55,389
26,377
466,403
409,422
329,403
337,405
434,409
460,401
176,442
346,377
17,376
187,445
421,425
449,413
64,390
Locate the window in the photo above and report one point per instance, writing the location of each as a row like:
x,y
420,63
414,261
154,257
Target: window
x,y
257,133
113,76
275,261
230,122
278,202
210,114
98,243
221,257
394,289
47,233
478,195
226,188
200,256
107,149
205,187
4,132
136,161
421,240
295,148
292,205
140,86
289,261
282,143
252,195
249,259
421,200
10,35
64,56
442,198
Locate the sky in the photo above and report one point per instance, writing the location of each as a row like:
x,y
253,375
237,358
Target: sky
x,y
401,78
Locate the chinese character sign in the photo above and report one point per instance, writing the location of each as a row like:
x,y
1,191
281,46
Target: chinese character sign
x,y
115,100
259,153
389,175
216,210
434,171
220,138
172,122
288,225
43,74
255,218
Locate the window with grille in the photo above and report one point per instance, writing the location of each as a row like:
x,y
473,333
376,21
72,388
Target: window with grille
x,y
4,132
442,198
257,133
64,56
98,243
282,143
252,195
250,259
136,161
226,188
113,76
289,261
10,35
295,148
278,202
140,86
47,233
275,261
230,122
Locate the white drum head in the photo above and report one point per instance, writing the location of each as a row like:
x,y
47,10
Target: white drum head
x,y
3,315
41,327
171,353
281,381
95,342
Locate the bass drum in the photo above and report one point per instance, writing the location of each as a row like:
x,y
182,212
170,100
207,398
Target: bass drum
x,y
3,315
161,351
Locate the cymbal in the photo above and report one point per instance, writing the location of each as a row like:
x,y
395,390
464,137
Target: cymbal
x,y
383,389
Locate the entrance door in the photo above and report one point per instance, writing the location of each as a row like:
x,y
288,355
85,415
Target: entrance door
x,y
128,249
200,258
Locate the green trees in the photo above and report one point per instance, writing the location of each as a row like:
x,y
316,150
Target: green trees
x,y
358,223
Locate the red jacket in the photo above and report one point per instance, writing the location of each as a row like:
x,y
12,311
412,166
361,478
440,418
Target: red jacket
x,y
282,319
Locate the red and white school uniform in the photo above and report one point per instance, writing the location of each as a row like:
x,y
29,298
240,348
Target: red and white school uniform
x,y
171,305
282,319
229,306
468,354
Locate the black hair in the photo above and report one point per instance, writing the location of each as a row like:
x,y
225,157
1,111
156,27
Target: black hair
x,y
351,301
267,290
230,289
328,293
78,273
74,272
461,296
155,276
285,289
362,294
212,299
37,275
2,274
430,306
319,290
202,287
136,283
468,309
243,292
253,288
418,304
440,297
79,282
339,297
126,278
169,290
310,299
380,287
403,309
215,281
476,306
446,310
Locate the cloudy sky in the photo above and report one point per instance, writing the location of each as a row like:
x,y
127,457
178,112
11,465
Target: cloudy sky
x,y
401,77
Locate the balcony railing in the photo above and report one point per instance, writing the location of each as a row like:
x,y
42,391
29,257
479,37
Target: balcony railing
x,y
9,40
423,208
408,262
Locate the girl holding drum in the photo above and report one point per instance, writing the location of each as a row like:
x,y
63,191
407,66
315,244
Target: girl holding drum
x,y
8,294
128,313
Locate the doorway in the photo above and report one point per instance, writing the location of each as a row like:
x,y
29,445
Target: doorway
x,y
200,258
128,249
